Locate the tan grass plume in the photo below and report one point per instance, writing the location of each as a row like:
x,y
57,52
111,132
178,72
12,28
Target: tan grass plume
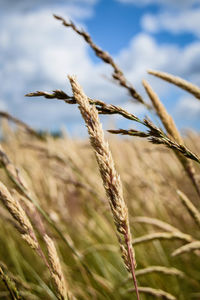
x,y
56,270
110,178
172,130
24,226
185,85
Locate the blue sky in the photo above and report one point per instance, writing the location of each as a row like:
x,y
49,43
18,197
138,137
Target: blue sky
x,y
37,53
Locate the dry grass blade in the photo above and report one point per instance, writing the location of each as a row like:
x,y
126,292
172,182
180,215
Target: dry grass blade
x,y
102,107
160,269
163,236
117,74
172,130
156,222
57,94
131,132
157,269
111,179
185,85
193,211
56,270
154,292
156,136
187,248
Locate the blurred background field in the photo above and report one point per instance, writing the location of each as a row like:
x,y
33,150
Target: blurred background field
x,y
62,174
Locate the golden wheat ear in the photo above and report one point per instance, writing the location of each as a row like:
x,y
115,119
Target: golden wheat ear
x,y
109,175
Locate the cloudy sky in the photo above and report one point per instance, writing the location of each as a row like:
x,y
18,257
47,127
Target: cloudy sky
x,y
37,53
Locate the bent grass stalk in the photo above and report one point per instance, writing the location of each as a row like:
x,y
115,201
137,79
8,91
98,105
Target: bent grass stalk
x,y
193,211
187,248
180,82
155,135
154,292
163,236
157,269
117,74
155,222
110,178
160,269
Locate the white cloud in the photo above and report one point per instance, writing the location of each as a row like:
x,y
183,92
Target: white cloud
x,y
174,3
175,22
37,53
72,6
3,105
187,108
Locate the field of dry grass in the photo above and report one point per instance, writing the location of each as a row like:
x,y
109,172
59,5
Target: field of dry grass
x,y
62,175
104,218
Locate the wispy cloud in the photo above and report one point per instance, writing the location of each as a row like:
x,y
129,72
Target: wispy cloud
x,y
37,53
188,108
175,22
174,3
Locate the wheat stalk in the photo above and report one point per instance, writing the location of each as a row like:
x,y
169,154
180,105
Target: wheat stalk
x,y
172,130
110,178
101,106
156,136
117,74
183,84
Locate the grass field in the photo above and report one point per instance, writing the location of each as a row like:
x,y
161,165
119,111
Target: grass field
x,y
77,216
